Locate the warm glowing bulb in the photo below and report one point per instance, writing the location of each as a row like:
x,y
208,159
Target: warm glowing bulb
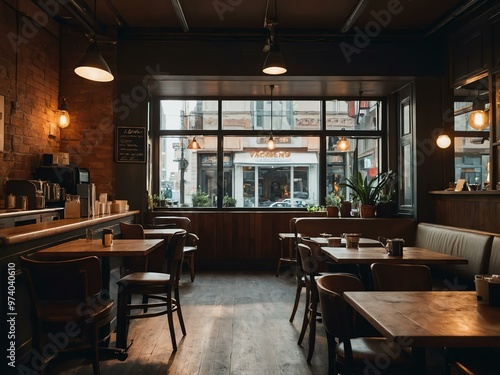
x,y
271,144
343,144
443,141
63,119
478,120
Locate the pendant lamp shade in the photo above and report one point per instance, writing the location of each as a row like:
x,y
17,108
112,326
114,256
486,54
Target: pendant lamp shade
x,y
93,66
194,145
271,143
274,64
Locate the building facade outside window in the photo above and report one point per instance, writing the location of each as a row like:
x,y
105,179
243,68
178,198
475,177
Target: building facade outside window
x,y
234,166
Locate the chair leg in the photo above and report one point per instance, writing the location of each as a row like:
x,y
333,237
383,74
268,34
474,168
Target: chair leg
x,y
171,320
279,267
191,267
297,299
179,312
312,326
121,319
305,321
332,357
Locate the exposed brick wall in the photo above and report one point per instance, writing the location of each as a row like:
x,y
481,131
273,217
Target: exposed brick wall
x,y
29,76
31,79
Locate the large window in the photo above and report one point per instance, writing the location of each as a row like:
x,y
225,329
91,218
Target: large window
x,y
234,167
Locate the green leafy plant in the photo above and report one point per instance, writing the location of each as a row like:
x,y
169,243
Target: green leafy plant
x,y
316,208
200,198
333,199
367,191
229,201
389,189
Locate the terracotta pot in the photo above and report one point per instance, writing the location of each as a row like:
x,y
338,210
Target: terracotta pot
x,y
367,210
332,211
345,209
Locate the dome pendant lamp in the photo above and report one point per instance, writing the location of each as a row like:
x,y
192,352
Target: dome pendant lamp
x,y
93,66
478,120
274,63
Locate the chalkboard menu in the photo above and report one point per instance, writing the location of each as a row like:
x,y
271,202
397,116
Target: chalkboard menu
x,y
130,144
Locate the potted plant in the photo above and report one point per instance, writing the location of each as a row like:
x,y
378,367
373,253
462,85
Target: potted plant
x,y
200,198
367,191
229,201
333,201
386,205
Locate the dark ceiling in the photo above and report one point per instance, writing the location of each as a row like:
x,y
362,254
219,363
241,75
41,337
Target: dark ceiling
x,y
335,18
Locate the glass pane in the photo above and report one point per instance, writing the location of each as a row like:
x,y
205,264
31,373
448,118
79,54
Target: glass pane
x,y
363,155
188,115
188,177
352,115
256,115
285,177
406,192
472,157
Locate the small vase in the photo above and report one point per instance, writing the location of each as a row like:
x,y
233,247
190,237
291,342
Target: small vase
x,y
345,209
367,210
332,211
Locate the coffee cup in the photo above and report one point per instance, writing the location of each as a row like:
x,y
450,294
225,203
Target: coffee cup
x,y
334,241
352,240
482,289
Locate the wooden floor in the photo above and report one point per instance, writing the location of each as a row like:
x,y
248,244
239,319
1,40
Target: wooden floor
x,y
236,324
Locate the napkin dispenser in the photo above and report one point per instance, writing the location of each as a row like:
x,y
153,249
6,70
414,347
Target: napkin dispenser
x,y
394,246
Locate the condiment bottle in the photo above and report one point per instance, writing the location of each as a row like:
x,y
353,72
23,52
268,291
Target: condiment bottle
x,y
107,237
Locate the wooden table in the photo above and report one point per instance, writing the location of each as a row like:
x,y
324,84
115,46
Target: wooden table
x,y
120,248
411,255
363,242
444,319
164,233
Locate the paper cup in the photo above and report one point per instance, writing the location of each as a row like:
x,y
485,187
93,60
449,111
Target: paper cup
x,y
482,289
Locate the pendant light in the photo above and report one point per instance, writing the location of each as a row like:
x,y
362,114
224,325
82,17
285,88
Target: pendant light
x,y
274,63
93,66
343,143
63,115
194,145
478,120
271,143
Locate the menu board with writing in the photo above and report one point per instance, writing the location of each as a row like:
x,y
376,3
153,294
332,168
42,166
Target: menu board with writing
x,y
130,144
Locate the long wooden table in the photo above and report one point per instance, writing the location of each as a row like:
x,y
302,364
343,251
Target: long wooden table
x,y
363,242
445,319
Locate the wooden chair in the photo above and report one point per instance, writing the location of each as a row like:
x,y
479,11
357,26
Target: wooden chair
x,y
348,354
63,293
299,276
401,277
191,239
312,264
163,287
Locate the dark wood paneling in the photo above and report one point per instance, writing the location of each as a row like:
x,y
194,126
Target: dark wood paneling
x,y
474,210
236,239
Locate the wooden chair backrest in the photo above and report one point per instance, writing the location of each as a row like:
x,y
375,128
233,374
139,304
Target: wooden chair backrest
x,y
401,277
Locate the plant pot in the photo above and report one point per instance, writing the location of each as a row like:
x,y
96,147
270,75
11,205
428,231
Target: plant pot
x,y
332,211
386,209
345,209
367,210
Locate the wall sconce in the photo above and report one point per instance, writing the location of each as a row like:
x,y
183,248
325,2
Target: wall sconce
x,y
478,120
443,140
194,145
63,115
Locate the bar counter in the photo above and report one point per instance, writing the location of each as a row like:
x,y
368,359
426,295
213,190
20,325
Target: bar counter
x,y
30,238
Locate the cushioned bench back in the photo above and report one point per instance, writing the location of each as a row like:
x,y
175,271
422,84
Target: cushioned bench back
x,y
369,228
473,245
494,266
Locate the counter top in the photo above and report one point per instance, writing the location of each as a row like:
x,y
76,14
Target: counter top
x,y
466,192
10,236
11,212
